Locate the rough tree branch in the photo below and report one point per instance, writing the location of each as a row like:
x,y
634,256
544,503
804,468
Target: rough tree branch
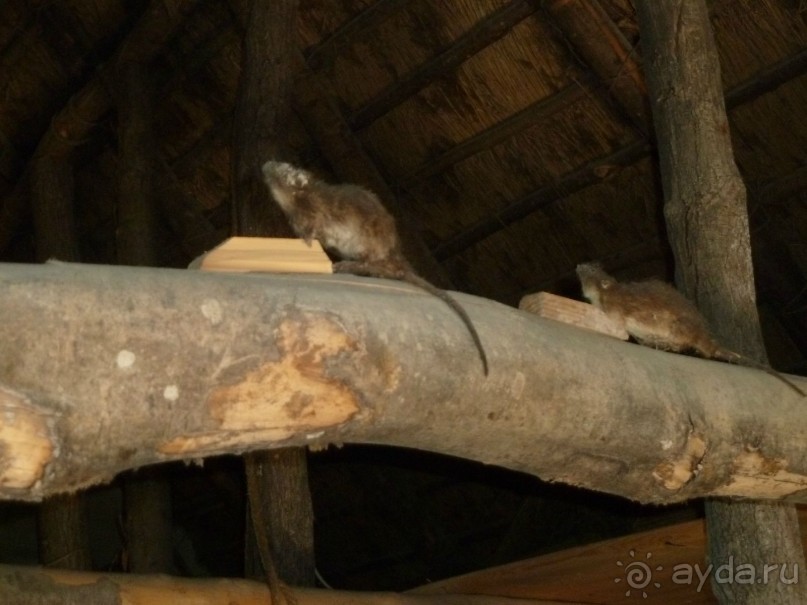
x,y
104,369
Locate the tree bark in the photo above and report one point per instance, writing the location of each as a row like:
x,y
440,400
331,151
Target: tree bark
x,y
147,497
277,482
136,216
52,204
262,110
707,221
148,523
61,527
186,364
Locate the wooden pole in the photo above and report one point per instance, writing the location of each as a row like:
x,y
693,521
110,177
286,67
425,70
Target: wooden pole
x,y
147,496
61,525
277,482
707,221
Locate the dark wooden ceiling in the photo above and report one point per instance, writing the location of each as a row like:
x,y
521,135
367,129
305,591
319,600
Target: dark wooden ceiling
x,y
513,134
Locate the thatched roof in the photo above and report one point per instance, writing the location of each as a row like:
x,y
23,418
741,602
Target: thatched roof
x,y
514,134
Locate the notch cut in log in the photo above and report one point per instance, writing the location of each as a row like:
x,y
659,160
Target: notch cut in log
x,y
126,367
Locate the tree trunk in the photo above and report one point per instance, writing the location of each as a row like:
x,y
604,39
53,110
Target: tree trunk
x,y
707,223
147,497
52,204
277,482
136,216
262,110
63,540
62,531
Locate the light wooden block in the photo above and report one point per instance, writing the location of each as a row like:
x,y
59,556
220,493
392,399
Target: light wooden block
x,y
265,254
573,312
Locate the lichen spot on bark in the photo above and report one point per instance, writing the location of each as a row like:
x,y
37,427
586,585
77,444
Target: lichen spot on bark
x,y
25,442
293,394
125,359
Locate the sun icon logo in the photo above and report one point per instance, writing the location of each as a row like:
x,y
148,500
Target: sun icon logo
x,y
638,574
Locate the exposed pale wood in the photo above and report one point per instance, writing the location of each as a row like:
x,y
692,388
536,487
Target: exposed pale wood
x,y
242,362
268,254
483,34
572,312
56,587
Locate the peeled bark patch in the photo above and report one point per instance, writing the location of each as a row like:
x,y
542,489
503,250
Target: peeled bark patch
x,y
280,398
26,443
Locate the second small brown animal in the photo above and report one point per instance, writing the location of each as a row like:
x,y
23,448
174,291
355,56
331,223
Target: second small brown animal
x,y
352,223
659,316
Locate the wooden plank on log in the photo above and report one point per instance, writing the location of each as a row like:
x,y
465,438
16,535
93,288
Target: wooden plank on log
x,y
573,313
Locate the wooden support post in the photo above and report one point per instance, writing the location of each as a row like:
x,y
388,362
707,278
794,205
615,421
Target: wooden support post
x,y
707,220
62,530
147,497
277,482
136,221
52,207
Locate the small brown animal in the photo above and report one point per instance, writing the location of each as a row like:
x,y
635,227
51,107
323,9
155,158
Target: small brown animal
x,y
351,223
659,316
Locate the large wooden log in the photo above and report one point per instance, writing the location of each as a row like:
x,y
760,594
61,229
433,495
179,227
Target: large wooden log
x,y
109,368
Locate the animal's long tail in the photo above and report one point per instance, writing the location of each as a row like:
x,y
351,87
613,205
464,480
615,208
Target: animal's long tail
x,y
407,275
742,360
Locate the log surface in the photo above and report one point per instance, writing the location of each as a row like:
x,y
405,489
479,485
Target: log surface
x,y
104,369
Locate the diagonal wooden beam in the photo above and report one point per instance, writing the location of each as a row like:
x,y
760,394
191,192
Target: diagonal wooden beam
x,y
502,131
480,36
322,54
592,172
587,175
597,40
